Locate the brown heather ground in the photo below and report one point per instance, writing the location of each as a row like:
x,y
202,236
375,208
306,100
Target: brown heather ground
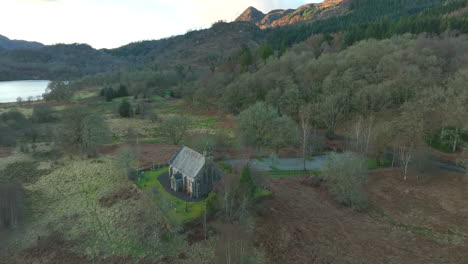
x,y
303,224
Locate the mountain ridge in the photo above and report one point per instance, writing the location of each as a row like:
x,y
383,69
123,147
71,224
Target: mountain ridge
x,y
9,44
307,12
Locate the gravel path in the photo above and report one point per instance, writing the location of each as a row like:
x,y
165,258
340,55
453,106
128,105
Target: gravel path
x,y
317,163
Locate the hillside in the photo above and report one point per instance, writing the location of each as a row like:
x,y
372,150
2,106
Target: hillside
x,y
308,12
197,49
55,61
201,51
8,44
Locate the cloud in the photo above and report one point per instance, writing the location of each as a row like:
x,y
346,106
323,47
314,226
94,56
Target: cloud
x,y
112,23
41,1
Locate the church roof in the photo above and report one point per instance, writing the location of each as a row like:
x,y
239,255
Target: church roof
x,y
188,161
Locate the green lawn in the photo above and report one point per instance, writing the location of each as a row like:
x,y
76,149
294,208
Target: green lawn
x,y
152,141
372,164
260,192
194,210
205,122
156,98
81,95
276,173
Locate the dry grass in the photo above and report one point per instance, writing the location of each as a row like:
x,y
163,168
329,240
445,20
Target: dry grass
x,y
305,225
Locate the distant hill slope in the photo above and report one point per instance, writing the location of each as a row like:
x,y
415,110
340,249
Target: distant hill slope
x,y
197,48
8,44
65,61
203,50
307,12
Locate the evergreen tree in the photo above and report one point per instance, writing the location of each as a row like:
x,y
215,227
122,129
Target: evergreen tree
x,y
125,109
122,92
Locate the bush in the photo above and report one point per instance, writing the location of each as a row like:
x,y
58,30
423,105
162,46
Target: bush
x,y
43,114
152,116
132,174
247,185
109,93
125,109
207,142
175,129
122,91
13,124
7,136
11,205
24,172
346,175
13,116
57,91
211,203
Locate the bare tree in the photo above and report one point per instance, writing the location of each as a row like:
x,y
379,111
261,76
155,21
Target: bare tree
x,y
405,154
235,245
305,117
330,110
19,100
382,140
175,129
411,128
363,134
82,131
127,160
456,115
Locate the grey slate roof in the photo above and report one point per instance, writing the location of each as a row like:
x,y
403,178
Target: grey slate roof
x,y
188,161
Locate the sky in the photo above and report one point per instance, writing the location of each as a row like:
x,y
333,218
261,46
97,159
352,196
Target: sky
x,y
113,23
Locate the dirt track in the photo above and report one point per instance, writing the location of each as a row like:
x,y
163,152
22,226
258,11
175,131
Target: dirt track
x,y
305,225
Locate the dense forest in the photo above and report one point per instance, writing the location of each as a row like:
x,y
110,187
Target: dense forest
x,y
201,51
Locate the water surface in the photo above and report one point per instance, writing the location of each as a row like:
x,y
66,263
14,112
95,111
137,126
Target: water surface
x,y
11,90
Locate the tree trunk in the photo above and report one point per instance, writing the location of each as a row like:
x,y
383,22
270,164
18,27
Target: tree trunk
x,y
455,141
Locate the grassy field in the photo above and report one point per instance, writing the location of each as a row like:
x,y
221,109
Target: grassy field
x,y
180,210
65,196
81,95
275,173
372,164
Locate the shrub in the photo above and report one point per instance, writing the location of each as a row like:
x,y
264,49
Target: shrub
x,y
122,91
7,136
175,129
109,93
346,175
11,205
247,185
152,116
12,126
24,172
57,91
207,142
43,114
125,109
211,203
132,174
